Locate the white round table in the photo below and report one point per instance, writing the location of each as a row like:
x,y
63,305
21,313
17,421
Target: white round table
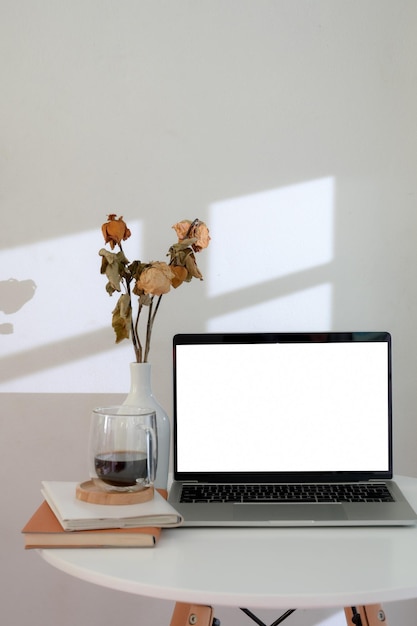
x,y
260,568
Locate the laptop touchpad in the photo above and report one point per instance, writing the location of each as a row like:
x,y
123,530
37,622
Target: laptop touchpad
x,y
287,512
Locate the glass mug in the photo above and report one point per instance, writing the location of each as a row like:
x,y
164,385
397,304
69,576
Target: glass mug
x,y
122,448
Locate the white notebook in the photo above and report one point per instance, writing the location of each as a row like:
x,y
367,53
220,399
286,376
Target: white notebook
x,y
74,514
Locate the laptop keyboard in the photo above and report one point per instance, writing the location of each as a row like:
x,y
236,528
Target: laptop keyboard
x,y
344,492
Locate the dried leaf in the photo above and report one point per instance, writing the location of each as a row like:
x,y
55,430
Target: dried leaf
x,y
145,299
180,275
192,267
114,266
122,316
110,289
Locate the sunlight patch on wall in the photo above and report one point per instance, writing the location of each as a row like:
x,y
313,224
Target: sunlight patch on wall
x,y
270,234
51,332
286,313
279,243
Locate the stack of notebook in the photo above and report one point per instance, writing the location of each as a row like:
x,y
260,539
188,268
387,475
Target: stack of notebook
x,y
62,521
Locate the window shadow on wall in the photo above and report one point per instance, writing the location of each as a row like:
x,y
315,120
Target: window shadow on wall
x,y
14,294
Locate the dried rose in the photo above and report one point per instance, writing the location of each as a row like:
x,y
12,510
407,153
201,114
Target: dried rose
x,y
154,279
115,230
193,230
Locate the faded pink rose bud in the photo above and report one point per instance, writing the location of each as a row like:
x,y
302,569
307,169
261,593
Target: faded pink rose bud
x,y
193,230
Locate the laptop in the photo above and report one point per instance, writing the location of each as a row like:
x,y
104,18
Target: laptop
x,y
284,429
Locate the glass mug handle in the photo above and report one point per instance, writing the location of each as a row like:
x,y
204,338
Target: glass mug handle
x,y
150,454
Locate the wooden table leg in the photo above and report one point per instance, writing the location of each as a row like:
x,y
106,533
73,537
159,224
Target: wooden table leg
x,y
369,615
192,615
198,615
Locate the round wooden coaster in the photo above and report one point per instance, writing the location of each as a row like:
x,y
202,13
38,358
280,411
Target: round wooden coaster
x,y
89,492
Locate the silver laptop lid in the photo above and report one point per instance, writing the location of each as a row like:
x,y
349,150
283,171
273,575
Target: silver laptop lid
x,y
282,407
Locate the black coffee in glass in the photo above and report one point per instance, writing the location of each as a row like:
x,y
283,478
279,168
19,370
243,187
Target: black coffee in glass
x,y
123,468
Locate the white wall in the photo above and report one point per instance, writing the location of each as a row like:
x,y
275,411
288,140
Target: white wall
x,y
288,126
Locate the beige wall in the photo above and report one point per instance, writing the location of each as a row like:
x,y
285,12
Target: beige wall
x,y
229,110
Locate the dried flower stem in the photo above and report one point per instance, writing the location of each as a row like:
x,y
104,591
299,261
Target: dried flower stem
x,y
137,346
151,318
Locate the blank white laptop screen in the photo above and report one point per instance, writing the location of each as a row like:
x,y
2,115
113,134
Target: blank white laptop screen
x,y
282,407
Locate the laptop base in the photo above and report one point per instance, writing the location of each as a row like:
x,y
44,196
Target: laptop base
x,y
396,513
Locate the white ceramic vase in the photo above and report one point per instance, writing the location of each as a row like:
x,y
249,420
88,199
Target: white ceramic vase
x,y
141,395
